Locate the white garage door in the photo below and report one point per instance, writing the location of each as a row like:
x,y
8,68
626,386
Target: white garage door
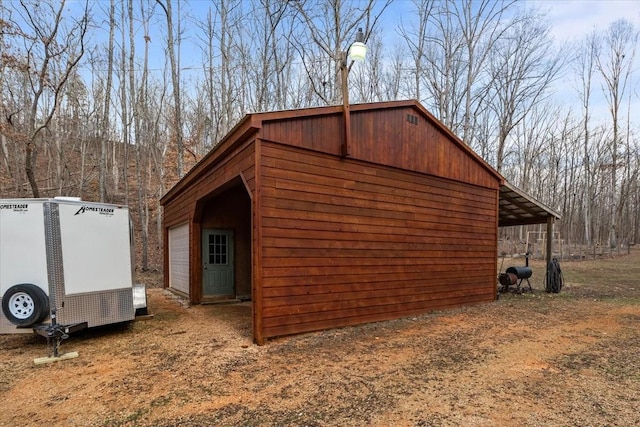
x,y
179,258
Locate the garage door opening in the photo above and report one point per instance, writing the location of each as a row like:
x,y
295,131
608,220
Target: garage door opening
x,y
179,259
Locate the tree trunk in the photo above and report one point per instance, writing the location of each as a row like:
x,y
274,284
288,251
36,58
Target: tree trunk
x,y
105,123
175,79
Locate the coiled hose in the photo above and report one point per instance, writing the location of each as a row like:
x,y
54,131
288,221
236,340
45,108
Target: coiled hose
x,y
554,279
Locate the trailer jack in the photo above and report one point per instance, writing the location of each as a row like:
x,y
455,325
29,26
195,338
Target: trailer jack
x,y
55,334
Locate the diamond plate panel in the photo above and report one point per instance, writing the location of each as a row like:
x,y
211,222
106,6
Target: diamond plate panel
x,y
53,242
99,308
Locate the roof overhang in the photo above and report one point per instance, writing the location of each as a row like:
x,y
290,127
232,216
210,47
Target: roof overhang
x,y
519,208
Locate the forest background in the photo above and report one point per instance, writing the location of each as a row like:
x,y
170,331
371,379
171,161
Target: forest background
x,y
116,100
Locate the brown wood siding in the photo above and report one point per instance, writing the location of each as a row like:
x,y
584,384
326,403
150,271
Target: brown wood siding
x,y
240,135
388,137
182,206
242,161
345,242
385,137
323,133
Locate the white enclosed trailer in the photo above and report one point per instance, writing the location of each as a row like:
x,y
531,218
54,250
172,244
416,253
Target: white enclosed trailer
x,y
65,264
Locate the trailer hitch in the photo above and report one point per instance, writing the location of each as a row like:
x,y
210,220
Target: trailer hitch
x,y
56,333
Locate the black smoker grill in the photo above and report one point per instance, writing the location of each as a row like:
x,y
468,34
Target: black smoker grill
x,y
516,275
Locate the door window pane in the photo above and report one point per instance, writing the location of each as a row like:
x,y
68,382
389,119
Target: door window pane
x,y
218,249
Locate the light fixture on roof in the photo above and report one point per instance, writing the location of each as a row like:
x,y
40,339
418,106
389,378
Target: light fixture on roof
x,y
357,51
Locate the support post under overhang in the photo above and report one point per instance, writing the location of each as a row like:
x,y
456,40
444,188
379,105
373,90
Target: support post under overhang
x,y
550,220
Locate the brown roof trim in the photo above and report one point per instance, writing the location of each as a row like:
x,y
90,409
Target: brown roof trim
x,y
240,132
253,122
337,109
301,112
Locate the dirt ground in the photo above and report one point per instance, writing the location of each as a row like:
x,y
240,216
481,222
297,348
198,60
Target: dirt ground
x,y
525,360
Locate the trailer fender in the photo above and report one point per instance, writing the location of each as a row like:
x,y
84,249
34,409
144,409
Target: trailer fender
x,y
25,305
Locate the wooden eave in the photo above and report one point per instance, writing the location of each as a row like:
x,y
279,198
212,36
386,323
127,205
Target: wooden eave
x,y
240,133
338,109
253,122
519,208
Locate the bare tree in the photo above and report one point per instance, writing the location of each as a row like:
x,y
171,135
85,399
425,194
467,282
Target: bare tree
x,y
175,79
368,77
72,139
158,150
531,139
415,35
481,28
48,42
225,80
272,27
449,43
228,11
327,29
585,67
629,183
125,114
208,37
5,113
138,100
615,63
393,76
445,68
104,128
522,68
569,149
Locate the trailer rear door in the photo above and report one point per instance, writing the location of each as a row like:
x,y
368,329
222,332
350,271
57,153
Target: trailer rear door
x,y
96,248
23,255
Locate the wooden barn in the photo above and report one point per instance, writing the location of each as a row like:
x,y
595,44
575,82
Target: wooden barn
x,y
325,220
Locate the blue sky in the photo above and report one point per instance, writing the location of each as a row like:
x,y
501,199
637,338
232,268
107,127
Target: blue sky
x,y
572,20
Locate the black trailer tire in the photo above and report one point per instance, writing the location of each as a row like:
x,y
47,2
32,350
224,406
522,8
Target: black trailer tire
x,y
25,305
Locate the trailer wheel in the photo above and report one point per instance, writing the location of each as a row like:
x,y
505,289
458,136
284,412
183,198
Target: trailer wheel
x,y
25,304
